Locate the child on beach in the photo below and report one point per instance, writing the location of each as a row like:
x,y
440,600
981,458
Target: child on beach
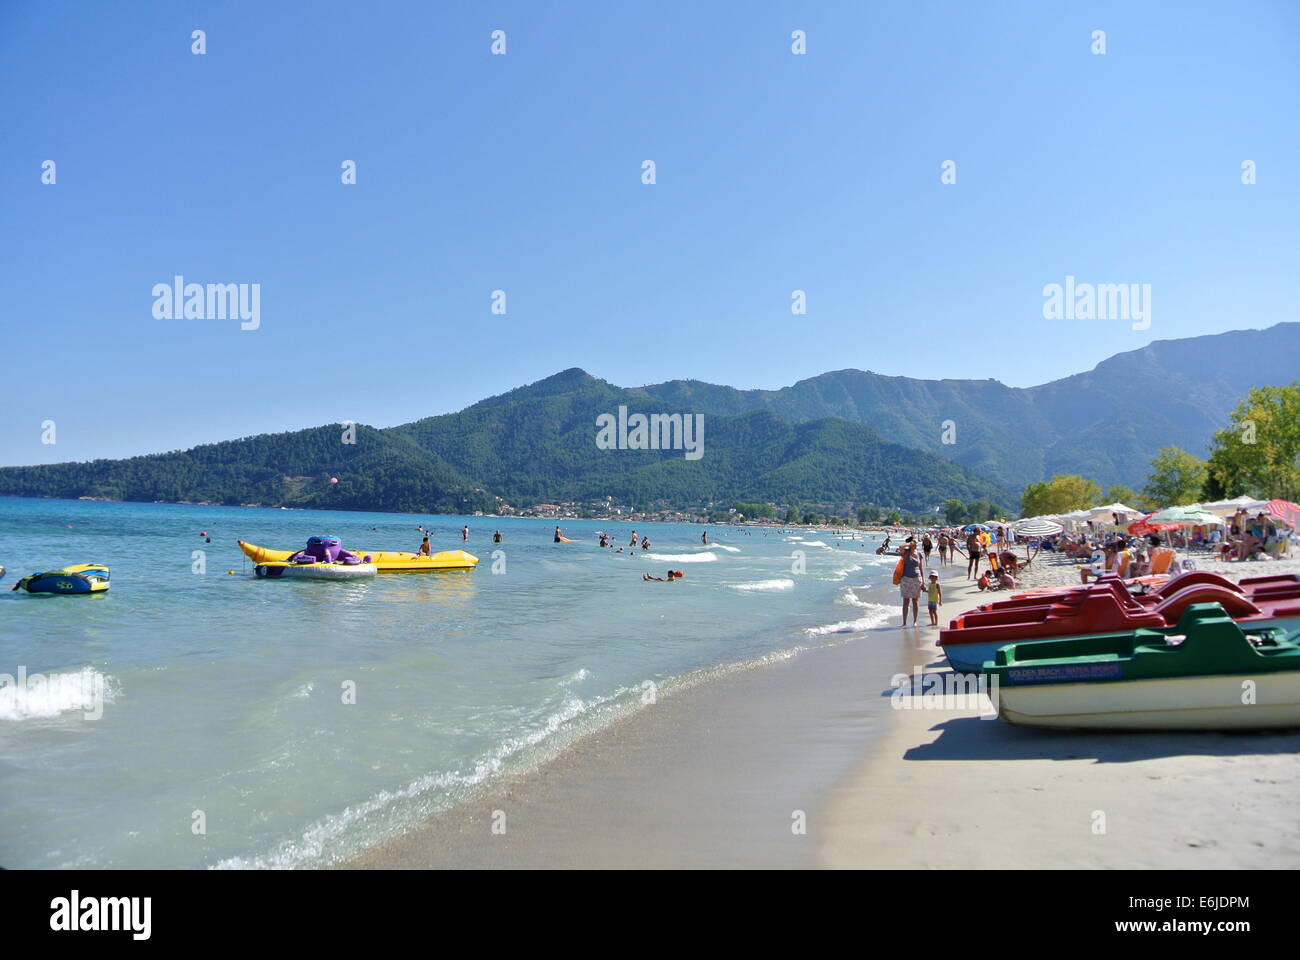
x,y
935,594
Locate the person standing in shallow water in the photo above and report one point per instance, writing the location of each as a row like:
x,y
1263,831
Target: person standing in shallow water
x,y
912,581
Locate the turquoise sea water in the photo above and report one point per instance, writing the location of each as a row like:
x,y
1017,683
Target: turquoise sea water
x,y
225,694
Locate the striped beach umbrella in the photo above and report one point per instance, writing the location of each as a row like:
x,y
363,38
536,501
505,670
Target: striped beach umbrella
x,y
1036,527
1286,511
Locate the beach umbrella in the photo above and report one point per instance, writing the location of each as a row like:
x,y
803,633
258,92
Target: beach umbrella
x,y
1036,527
1226,508
1183,517
1286,511
1118,509
1144,526
972,527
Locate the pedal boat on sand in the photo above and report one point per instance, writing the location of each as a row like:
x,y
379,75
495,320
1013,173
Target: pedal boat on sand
x,y
385,561
323,559
68,581
1213,673
1108,606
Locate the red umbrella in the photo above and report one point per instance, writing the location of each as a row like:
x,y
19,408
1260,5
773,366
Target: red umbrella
x,y
1141,528
1286,511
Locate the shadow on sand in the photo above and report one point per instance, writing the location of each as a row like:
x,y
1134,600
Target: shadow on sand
x,y
975,738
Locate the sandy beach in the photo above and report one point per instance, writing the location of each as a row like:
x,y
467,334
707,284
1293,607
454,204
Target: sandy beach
x,y
947,790
726,773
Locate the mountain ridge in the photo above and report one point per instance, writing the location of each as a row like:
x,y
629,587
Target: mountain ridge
x,y
846,436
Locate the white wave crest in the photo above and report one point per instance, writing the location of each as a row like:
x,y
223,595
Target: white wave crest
x,y
758,586
875,618
707,557
48,695
849,597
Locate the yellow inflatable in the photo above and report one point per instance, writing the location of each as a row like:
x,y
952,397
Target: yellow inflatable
x,y
386,561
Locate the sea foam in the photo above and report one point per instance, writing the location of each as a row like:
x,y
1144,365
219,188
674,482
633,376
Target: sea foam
x,y
878,615
48,695
758,586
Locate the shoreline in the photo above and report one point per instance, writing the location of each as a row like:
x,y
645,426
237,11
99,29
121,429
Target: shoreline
x,y
714,775
717,775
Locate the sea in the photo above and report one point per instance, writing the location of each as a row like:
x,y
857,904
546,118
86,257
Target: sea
x,y
195,716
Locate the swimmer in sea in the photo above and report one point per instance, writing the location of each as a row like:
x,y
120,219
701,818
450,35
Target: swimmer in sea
x,y
496,537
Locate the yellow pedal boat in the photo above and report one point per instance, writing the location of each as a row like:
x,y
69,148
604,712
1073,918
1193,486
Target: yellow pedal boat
x,y
386,561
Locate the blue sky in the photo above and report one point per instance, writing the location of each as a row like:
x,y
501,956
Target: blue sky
x,y
522,172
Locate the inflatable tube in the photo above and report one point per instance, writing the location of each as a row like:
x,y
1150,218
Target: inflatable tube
x,y
68,581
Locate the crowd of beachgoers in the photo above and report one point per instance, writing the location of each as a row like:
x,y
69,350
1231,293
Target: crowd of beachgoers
x,y
997,558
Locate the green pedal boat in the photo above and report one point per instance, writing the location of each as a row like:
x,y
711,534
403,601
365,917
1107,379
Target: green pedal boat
x,y
1212,673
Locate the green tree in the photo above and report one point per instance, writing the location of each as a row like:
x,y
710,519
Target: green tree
x,y
793,515
1259,453
1063,493
1118,493
1176,477
954,512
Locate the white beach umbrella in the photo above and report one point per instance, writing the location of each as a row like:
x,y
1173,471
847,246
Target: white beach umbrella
x,y
1104,513
1226,508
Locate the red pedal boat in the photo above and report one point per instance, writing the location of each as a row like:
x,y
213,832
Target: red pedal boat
x,y
1107,606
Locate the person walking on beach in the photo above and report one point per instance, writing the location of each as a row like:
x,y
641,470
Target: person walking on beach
x,y
911,573
934,594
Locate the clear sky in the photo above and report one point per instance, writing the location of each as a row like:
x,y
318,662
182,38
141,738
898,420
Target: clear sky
x,y
523,172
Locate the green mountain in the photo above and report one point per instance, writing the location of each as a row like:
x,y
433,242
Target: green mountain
x,y
380,471
846,437
1104,424
535,444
